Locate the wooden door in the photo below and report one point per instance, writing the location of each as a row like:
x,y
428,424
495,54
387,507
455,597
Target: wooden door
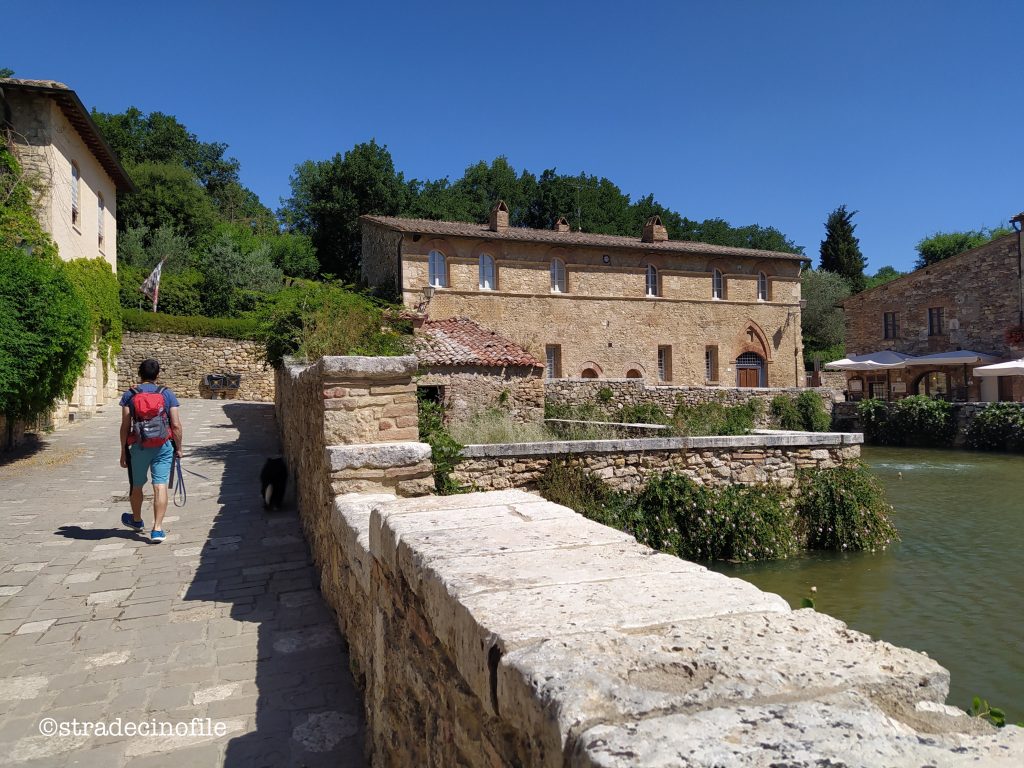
x,y
1005,389
750,377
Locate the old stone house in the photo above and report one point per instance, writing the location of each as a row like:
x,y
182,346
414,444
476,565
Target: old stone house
x,y
602,306
972,302
470,369
79,177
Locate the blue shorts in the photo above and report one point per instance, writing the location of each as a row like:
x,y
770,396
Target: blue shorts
x,y
145,460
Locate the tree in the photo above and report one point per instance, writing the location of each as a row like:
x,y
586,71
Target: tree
x,y
840,250
942,245
822,321
884,275
6,72
329,196
169,196
228,270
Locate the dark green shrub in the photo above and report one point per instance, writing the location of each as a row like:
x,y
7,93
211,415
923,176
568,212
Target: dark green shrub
x,y
581,491
95,282
785,413
219,327
604,395
874,415
813,415
923,421
715,418
180,292
584,412
999,427
445,452
642,413
844,509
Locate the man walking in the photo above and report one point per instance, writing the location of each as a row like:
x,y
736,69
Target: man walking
x,y
151,437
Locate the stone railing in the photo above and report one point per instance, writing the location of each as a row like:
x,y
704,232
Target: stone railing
x,y
765,457
498,629
185,361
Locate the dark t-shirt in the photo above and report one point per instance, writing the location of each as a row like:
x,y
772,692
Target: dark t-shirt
x,y
170,401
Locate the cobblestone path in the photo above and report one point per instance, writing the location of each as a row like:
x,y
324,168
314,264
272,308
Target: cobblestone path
x,y
222,621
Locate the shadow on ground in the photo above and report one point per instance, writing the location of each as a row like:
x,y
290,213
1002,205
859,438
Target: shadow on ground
x,y
307,710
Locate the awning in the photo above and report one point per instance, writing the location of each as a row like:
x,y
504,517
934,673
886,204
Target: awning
x,y
873,361
957,357
1011,368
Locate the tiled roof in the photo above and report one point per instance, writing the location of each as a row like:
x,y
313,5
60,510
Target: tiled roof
x,y
524,234
460,341
76,113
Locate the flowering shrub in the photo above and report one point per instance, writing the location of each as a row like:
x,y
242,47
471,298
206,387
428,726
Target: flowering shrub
x,y
844,509
1000,427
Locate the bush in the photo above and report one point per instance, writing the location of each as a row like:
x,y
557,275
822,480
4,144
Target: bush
x,y
874,415
445,451
783,410
999,427
180,292
715,418
95,282
844,509
913,421
220,327
642,413
496,426
813,415
582,492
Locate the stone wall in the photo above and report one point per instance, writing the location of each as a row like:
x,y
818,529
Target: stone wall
x,y
518,392
629,392
625,464
185,360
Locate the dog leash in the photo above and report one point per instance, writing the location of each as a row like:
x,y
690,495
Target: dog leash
x,y
179,487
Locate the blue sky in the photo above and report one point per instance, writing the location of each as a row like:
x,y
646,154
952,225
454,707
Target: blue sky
x,y
758,112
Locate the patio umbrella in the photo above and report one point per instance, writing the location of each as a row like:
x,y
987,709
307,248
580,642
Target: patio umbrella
x,y
873,361
956,357
1011,368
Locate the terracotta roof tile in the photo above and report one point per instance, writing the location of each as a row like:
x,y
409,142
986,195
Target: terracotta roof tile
x,y
524,234
460,341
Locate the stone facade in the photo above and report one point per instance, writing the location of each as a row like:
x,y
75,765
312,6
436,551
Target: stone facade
x,y
774,459
520,393
980,295
620,393
185,360
603,322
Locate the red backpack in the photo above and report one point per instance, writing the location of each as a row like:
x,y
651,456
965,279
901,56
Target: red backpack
x,y
150,424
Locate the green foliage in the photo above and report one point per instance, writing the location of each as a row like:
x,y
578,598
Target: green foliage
x,y
813,415
228,272
822,322
220,327
294,254
445,451
844,509
999,427
585,493
783,409
942,245
493,426
884,275
980,709
715,418
45,332
180,293
605,395
915,421
642,413
310,320
96,284
171,196
582,412
840,250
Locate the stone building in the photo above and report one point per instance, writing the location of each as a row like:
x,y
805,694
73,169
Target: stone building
x,y
972,302
78,177
602,306
470,369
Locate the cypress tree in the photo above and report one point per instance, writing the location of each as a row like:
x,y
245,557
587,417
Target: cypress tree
x,y
840,250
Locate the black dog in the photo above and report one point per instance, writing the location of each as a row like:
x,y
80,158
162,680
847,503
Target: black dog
x,y
273,481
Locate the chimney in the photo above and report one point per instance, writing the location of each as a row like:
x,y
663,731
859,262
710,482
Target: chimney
x,y
562,224
499,217
654,231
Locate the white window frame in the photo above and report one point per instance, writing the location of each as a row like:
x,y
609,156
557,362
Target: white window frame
x,y
553,359
488,273
652,281
717,284
558,276
76,190
664,362
762,286
437,270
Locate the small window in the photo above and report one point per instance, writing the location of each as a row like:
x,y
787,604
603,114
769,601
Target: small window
x,y
711,363
553,353
438,271
665,363
76,178
762,286
100,211
487,273
652,281
935,321
891,325
558,276
633,373
717,285
589,373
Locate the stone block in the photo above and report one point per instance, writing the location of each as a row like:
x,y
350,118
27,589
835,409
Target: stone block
x,y
356,367
377,455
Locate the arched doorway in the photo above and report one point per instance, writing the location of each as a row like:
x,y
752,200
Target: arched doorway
x,y
633,373
589,373
750,370
933,384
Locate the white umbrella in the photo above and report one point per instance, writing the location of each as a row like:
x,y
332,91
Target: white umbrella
x,y
872,361
1011,368
956,357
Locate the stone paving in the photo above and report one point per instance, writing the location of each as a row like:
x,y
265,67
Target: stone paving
x,y
222,621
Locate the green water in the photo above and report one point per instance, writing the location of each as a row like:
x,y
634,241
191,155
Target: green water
x,y
953,587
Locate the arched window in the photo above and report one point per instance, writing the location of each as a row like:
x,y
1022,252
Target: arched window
x,y
934,384
717,285
487,273
762,286
76,178
633,373
652,280
558,276
100,211
589,373
438,271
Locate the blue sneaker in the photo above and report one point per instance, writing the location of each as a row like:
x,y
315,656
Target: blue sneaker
x,y
129,521
155,537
